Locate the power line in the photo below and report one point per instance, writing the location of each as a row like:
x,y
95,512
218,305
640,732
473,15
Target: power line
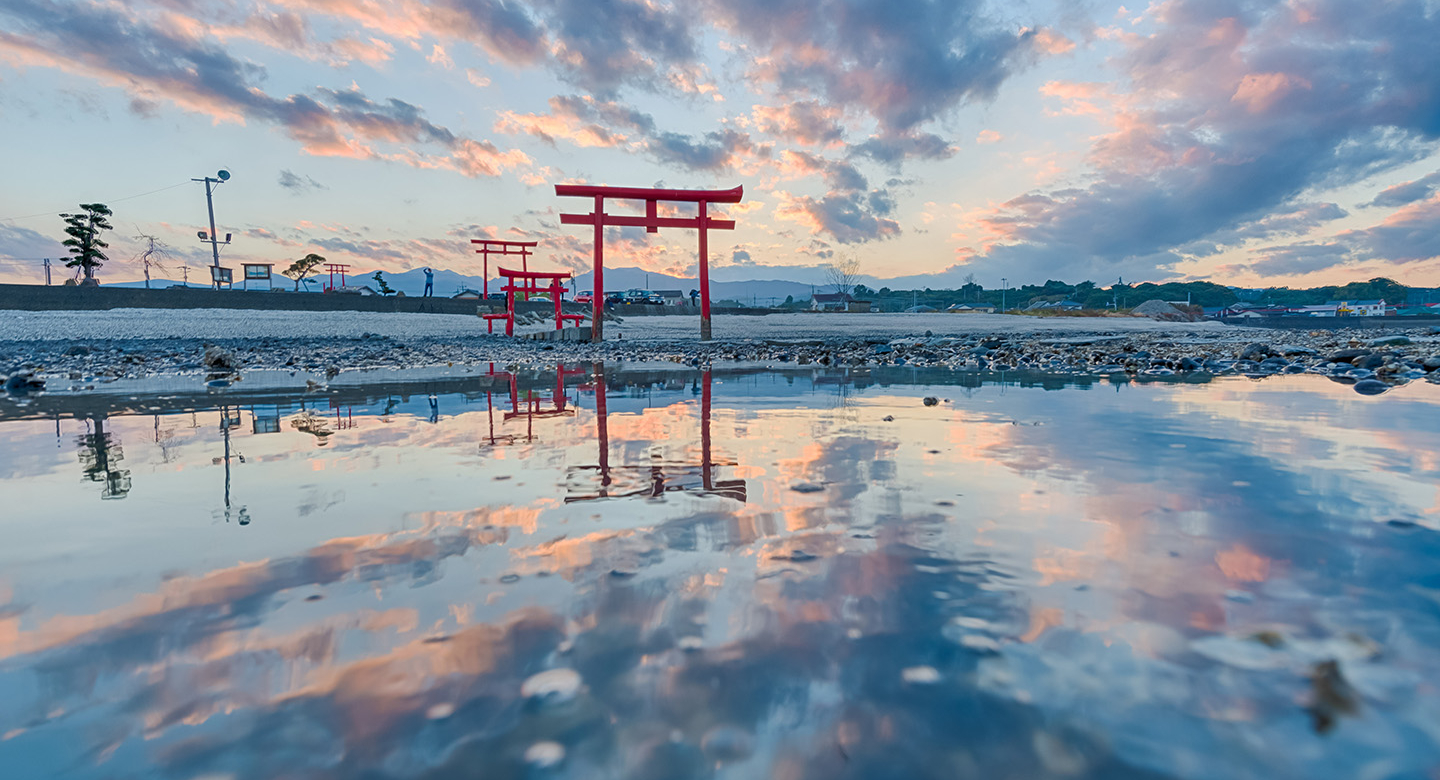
x,y
111,200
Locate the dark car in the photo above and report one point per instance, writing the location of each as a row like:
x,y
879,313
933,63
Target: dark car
x,y
614,299
495,297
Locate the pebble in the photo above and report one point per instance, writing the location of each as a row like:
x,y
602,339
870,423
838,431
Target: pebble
x,y
545,754
807,487
920,675
553,685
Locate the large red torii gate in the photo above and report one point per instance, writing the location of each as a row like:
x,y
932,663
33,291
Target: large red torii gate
x,y
495,246
652,223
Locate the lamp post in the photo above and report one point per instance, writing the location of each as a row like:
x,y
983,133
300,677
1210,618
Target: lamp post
x,y
210,185
1002,295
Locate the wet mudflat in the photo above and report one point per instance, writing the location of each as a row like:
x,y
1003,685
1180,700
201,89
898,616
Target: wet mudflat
x,y
682,573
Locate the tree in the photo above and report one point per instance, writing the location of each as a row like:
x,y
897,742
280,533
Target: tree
x,y
152,255
842,274
384,288
302,268
84,241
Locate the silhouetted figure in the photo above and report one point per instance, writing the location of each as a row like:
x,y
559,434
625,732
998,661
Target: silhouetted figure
x,y
429,282
434,410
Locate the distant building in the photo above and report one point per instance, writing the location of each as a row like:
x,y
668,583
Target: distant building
x,y
466,295
1359,308
1056,305
361,290
920,309
971,308
1318,310
830,302
672,297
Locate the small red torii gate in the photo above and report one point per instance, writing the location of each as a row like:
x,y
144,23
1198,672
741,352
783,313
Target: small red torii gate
x,y
652,223
495,246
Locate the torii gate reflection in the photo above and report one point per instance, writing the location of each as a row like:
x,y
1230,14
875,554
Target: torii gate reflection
x,y
533,408
660,477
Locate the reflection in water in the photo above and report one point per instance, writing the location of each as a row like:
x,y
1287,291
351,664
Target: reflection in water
x,y
587,574
100,455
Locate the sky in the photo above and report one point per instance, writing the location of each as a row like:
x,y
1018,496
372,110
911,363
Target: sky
x,y
1248,143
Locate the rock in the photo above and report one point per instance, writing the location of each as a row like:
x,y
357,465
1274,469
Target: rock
x,y
1431,363
77,350
545,754
23,382
888,418
1256,351
931,400
811,487
1291,350
1347,355
217,359
1189,364
1371,387
1371,362
1390,341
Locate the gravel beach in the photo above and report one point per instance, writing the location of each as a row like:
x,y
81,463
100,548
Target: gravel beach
x,y
76,350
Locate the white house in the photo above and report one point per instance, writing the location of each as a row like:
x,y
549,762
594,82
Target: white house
x,y
1360,308
829,301
1319,310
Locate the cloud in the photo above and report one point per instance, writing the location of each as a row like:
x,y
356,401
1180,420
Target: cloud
x,y
806,122
1407,192
1409,235
21,251
903,62
298,184
588,122
848,217
894,149
1297,259
1238,108
156,64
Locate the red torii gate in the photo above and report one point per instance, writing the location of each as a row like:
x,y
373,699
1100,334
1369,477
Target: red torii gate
x,y
495,246
652,223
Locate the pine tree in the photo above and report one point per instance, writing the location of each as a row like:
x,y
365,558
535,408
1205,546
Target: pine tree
x,y
84,242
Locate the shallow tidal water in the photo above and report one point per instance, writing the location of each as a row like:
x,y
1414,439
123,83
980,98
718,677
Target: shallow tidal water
x,y
669,573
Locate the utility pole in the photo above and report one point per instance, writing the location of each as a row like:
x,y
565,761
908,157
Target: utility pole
x,y
47,272
185,274
1002,295
210,184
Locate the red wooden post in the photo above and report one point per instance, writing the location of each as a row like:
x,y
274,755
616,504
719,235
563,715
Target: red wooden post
x,y
705,468
510,307
704,276
489,246
602,423
555,295
597,318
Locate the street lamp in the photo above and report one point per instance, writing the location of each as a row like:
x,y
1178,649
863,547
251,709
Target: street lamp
x,y
1002,295
211,238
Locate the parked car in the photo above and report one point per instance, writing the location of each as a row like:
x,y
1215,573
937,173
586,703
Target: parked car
x,y
638,296
613,299
495,297
585,297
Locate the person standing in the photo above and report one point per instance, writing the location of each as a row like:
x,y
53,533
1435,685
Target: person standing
x,y
429,282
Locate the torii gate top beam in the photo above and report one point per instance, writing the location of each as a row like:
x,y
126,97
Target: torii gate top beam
x,y
644,193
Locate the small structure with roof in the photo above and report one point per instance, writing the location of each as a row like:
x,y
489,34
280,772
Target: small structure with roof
x,y
971,308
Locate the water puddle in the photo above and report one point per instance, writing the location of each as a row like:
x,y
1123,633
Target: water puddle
x,y
673,573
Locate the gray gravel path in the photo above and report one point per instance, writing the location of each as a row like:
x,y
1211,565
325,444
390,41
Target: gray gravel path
x,y
217,324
